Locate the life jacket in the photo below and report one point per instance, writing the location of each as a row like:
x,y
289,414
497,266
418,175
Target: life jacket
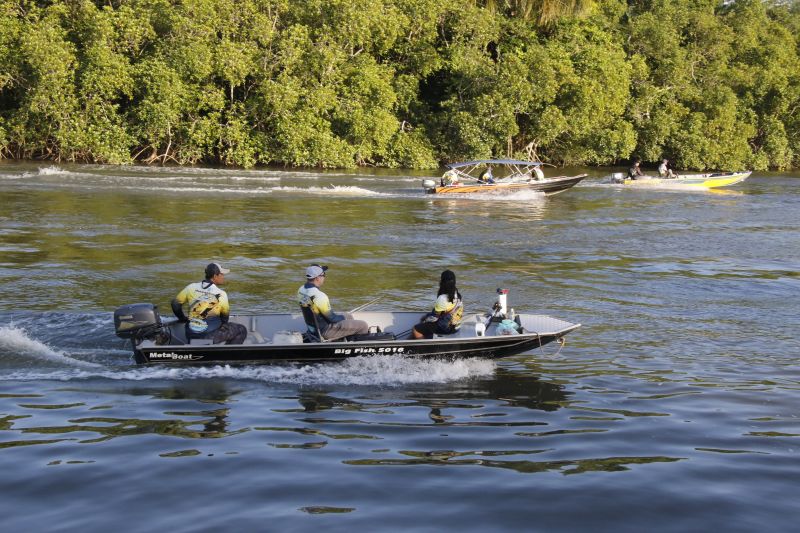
x,y
451,320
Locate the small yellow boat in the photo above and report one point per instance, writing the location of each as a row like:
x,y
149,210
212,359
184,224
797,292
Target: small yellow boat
x,y
708,181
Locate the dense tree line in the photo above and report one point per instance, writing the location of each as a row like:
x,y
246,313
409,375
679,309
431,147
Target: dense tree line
x,y
338,83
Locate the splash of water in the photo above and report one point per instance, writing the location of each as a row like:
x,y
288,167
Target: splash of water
x,y
15,342
50,171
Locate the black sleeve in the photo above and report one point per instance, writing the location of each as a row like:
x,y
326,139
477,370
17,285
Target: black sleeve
x,y
177,309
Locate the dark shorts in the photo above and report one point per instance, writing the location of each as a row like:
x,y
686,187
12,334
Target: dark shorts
x,y
428,329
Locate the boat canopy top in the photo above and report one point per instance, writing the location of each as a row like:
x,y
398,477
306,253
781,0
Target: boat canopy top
x,y
509,162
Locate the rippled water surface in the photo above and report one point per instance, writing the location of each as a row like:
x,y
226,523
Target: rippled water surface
x,y
674,408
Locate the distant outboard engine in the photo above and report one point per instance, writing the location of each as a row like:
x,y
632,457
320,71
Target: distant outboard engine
x,y
429,185
137,321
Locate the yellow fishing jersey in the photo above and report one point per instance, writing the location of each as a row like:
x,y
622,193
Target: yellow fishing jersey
x,y
207,303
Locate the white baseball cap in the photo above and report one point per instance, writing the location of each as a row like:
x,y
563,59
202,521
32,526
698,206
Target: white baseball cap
x,y
315,271
215,268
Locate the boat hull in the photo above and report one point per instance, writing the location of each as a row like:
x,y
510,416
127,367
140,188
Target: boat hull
x,y
549,186
262,345
708,181
338,351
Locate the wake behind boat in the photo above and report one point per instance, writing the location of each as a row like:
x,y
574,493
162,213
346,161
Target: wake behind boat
x,y
511,175
708,180
283,337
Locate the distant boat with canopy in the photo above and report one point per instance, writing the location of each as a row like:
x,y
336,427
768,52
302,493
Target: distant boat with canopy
x,y
498,175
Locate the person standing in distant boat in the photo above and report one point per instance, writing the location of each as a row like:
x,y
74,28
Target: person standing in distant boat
x,y
445,318
208,309
334,326
664,171
635,172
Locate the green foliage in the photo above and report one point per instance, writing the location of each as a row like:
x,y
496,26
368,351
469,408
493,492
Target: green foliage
x,y
411,83
719,86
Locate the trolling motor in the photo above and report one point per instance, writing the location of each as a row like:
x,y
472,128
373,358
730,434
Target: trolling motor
x,y
507,323
139,322
499,310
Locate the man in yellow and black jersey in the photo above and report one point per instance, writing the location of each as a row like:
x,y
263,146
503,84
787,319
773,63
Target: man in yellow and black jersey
x,y
333,325
208,309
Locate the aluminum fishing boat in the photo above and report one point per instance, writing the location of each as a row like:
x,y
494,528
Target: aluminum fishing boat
x,y
504,175
283,337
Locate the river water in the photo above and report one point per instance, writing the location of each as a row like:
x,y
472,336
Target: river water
x,y
673,408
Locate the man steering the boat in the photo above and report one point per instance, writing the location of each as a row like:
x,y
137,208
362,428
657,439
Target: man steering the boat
x,y
486,176
635,172
332,325
208,309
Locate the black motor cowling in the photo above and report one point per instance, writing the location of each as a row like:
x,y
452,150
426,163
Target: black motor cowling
x,y
137,321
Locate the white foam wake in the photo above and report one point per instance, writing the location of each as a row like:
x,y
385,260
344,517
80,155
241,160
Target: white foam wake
x,y
335,190
16,342
385,371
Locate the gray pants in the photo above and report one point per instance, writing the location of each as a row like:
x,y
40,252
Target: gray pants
x,y
345,328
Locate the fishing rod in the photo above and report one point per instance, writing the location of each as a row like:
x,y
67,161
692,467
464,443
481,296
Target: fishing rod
x,y
364,306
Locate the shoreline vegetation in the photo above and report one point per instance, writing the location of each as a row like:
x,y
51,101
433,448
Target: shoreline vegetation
x,y
401,83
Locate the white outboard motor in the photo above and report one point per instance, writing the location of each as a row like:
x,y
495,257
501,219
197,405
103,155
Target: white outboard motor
x,y
428,185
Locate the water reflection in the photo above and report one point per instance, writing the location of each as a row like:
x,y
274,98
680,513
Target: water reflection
x,y
212,425
566,467
517,206
200,422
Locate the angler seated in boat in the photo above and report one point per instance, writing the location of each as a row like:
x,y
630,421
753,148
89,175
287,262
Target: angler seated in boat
x,y
665,170
445,318
635,172
321,321
208,310
486,177
450,179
